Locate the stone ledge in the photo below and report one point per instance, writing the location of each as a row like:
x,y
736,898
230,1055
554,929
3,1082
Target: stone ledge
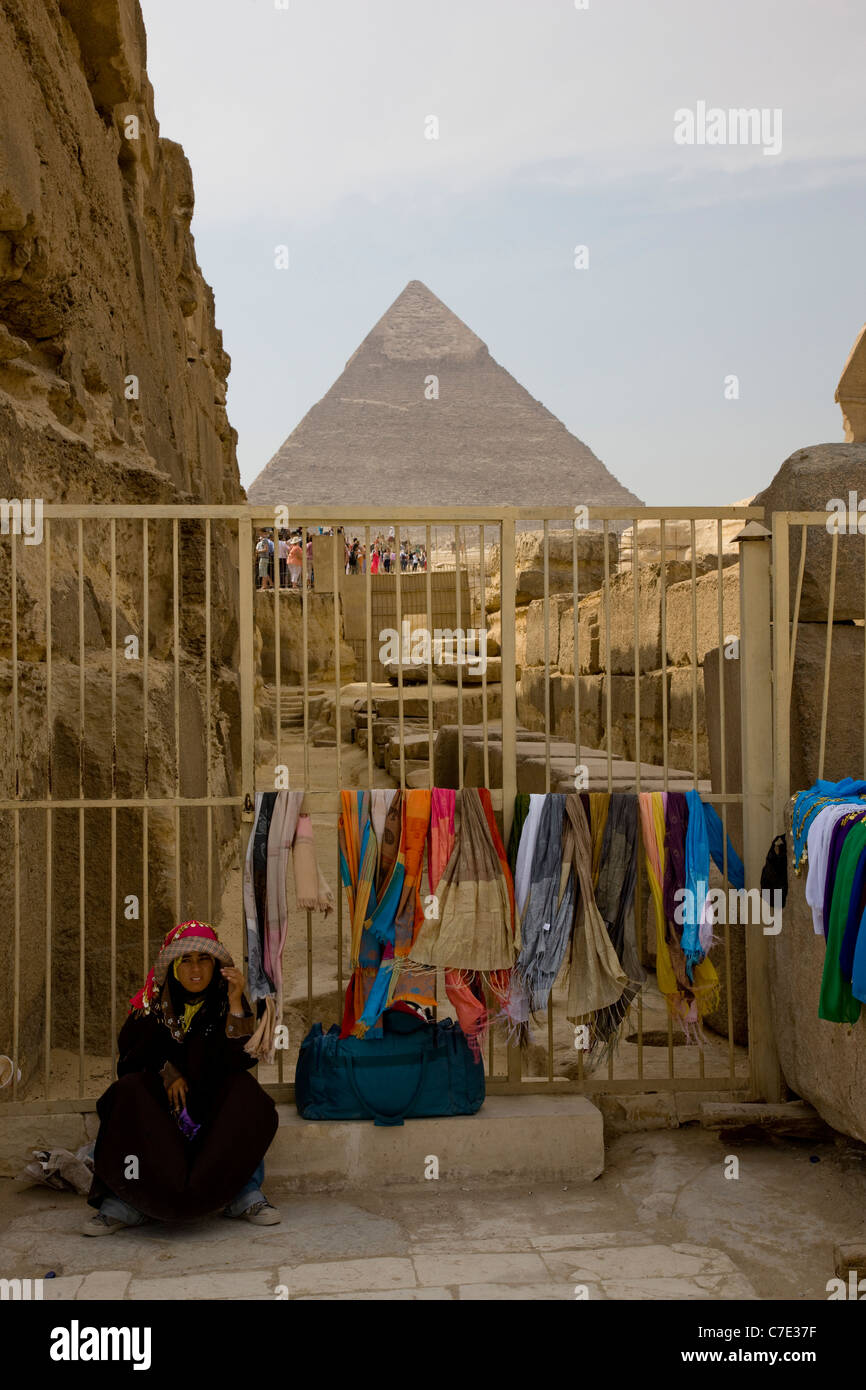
x,y
515,1139
512,1139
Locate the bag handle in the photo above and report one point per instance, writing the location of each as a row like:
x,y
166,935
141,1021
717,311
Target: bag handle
x,y
379,1117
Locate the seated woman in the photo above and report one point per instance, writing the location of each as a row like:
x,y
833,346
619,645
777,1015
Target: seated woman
x,y
184,1129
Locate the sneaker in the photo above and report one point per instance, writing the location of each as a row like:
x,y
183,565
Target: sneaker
x,y
100,1225
262,1214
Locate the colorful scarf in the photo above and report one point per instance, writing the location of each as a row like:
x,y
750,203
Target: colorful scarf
x,y
697,935
688,1000
475,928
548,918
596,978
808,802
837,1001
525,853
614,896
278,828
372,874
463,987
521,811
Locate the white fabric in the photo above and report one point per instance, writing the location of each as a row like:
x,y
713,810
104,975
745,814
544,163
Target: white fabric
x,y
380,805
818,840
526,851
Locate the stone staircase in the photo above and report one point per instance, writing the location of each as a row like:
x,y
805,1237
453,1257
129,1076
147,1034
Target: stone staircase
x,y
292,705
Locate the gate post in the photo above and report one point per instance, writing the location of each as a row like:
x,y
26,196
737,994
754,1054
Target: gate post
x,y
756,742
247,658
508,649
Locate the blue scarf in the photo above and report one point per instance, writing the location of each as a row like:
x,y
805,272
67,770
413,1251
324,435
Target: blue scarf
x,y
697,880
808,802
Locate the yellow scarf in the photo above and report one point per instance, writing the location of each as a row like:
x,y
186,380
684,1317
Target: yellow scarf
x,y
189,1010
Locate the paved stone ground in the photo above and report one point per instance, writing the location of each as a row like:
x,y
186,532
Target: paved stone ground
x,y
662,1222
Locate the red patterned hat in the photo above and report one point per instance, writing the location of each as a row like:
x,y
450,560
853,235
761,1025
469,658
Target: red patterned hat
x,y
185,937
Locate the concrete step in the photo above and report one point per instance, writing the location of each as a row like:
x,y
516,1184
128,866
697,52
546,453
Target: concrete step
x,y
512,1139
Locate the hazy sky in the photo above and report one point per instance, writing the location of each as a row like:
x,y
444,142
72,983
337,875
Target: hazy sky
x,y
305,126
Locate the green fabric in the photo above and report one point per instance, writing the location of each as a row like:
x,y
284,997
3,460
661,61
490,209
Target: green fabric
x,y
521,811
837,1003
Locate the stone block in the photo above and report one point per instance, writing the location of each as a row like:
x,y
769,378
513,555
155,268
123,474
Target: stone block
x,y
514,1139
589,637
529,564
845,710
806,482
536,627
681,650
622,616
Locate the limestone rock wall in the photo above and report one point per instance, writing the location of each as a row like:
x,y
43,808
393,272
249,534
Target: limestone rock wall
x,y
112,388
674,667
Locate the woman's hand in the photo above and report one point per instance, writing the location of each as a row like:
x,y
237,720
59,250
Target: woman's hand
x,y
234,978
177,1093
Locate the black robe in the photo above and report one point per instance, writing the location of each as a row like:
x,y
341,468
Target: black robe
x,y
181,1179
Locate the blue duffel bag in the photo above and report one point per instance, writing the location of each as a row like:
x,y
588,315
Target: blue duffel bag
x,y
414,1069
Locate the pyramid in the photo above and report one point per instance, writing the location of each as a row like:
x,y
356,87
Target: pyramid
x,y
375,438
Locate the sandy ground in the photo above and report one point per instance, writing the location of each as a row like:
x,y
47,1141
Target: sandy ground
x,y
662,1222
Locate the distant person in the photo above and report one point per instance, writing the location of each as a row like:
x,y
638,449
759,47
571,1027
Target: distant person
x,y
264,558
296,562
284,558
310,575
374,560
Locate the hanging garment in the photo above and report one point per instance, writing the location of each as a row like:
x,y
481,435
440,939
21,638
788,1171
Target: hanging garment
x,y
616,882
416,987
476,913
462,987
854,916
277,828
373,878
615,898
818,839
596,979
599,803
837,1001
697,924
858,970
255,894
676,825
838,837
547,922
521,810
808,803
288,831
774,875
688,1000
526,851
